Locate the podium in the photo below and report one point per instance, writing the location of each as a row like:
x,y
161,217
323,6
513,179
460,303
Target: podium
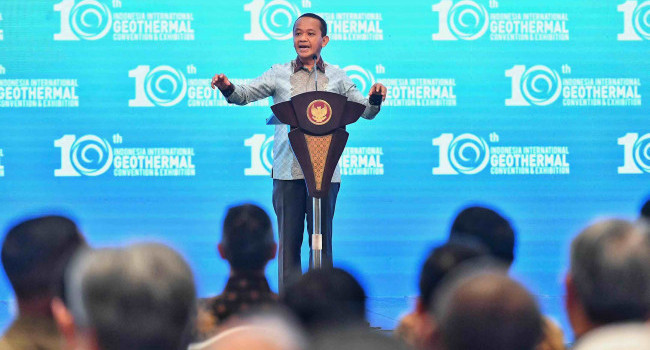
x,y
317,120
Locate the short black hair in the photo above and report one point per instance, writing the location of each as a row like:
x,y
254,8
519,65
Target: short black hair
x,y
441,261
329,298
247,237
485,226
645,210
35,253
323,24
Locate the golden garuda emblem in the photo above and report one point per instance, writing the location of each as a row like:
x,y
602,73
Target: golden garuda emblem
x,y
319,112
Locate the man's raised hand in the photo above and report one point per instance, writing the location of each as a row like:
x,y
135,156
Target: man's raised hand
x,y
220,81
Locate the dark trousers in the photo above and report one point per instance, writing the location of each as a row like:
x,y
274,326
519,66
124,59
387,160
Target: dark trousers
x,y
292,207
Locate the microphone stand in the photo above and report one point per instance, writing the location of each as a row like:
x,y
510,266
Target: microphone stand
x,y
316,236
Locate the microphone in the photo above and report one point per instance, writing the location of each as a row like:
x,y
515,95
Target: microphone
x,y
315,58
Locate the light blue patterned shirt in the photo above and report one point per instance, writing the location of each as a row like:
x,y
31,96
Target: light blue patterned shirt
x,y
283,81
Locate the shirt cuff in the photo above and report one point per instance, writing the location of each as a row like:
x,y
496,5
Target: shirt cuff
x,y
375,99
228,91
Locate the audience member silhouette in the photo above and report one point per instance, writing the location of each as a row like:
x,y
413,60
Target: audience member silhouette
x,y
416,328
327,299
247,244
644,214
483,226
608,283
34,255
269,331
486,310
355,339
141,297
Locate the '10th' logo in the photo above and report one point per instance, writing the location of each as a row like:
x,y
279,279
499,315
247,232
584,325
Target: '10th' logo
x,y
636,150
87,19
636,21
465,20
272,20
464,154
162,86
537,85
361,77
261,155
88,155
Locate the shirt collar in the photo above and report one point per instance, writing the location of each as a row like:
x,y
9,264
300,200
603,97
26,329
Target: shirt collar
x,y
251,279
298,65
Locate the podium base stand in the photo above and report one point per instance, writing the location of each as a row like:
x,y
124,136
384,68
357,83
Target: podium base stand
x,y
316,236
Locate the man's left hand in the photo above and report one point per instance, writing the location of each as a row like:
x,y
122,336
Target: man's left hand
x,y
378,88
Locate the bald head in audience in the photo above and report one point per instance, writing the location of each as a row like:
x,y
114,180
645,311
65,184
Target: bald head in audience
x,y
609,278
487,311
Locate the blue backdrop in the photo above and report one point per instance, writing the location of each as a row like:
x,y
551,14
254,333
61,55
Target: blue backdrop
x,y
535,107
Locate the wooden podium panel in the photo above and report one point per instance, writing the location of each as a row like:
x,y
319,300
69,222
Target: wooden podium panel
x,y
318,137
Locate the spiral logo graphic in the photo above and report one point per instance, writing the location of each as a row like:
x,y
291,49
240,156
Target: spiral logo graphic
x,y
91,155
642,153
266,153
90,19
641,20
165,86
468,154
541,86
277,19
362,78
468,20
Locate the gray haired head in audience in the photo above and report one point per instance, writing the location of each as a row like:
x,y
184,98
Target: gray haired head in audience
x,y
269,331
483,308
609,277
138,297
356,339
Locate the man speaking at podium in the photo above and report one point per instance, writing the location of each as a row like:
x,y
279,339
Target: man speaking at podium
x,y
308,72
